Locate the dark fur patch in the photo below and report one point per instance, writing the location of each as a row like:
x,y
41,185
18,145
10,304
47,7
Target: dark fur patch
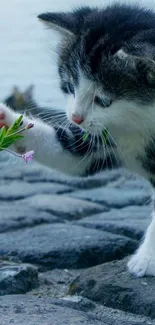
x,y
152,181
71,139
149,161
106,163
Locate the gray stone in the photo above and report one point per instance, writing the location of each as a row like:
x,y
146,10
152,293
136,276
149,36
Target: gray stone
x,y
131,221
15,279
17,216
64,246
12,169
55,283
132,183
63,206
28,310
115,197
101,179
16,190
34,173
31,310
113,286
105,314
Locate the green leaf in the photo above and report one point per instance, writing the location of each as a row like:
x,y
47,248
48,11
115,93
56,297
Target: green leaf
x,y
8,141
15,126
2,134
105,135
85,136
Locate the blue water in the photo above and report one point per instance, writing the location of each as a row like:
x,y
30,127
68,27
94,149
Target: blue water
x,y
27,49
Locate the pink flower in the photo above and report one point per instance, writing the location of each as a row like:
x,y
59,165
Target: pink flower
x,y
28,156
29,126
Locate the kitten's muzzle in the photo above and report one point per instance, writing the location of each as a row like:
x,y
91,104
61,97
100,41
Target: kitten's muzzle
x,y
77,119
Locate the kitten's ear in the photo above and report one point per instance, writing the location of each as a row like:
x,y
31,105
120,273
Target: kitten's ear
x,y
144,66
59,22
66,23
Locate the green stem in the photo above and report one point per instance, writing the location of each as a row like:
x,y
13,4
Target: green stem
x,y
13,153
19,131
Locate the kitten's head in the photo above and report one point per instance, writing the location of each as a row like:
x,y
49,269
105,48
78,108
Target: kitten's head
x,y
107,78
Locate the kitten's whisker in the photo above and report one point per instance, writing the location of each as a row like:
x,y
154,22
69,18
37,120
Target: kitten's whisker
x,y
107,149
103,147
55,122
50,113
98,151
60,126
115,155
94,139
117,147
88,152
80,145
54,119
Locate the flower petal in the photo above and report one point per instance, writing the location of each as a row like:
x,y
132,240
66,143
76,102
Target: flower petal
x,y
28,156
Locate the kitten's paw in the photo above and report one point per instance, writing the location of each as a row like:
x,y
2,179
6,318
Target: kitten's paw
x,y
7,116
142,263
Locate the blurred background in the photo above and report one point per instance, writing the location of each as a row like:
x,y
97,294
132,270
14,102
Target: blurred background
x,y
27,51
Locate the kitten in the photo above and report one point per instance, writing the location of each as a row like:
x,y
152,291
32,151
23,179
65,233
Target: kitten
x,y
107,71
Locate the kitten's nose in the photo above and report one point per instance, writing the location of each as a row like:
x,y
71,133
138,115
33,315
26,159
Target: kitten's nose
x,y
77,119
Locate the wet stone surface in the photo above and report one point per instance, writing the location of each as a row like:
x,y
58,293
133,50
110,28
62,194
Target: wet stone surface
x,y
64,247
17,278
110,284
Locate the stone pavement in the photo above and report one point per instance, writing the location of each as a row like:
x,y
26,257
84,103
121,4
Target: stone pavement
x,y
64,246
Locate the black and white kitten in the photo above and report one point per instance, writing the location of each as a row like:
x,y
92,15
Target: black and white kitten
x,y
107,69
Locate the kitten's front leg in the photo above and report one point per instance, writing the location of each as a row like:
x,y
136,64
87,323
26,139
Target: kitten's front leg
x,y
47,143
143,262
56,147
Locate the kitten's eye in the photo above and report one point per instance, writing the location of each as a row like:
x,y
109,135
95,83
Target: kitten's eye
x,y
71,88
68,88
103,103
